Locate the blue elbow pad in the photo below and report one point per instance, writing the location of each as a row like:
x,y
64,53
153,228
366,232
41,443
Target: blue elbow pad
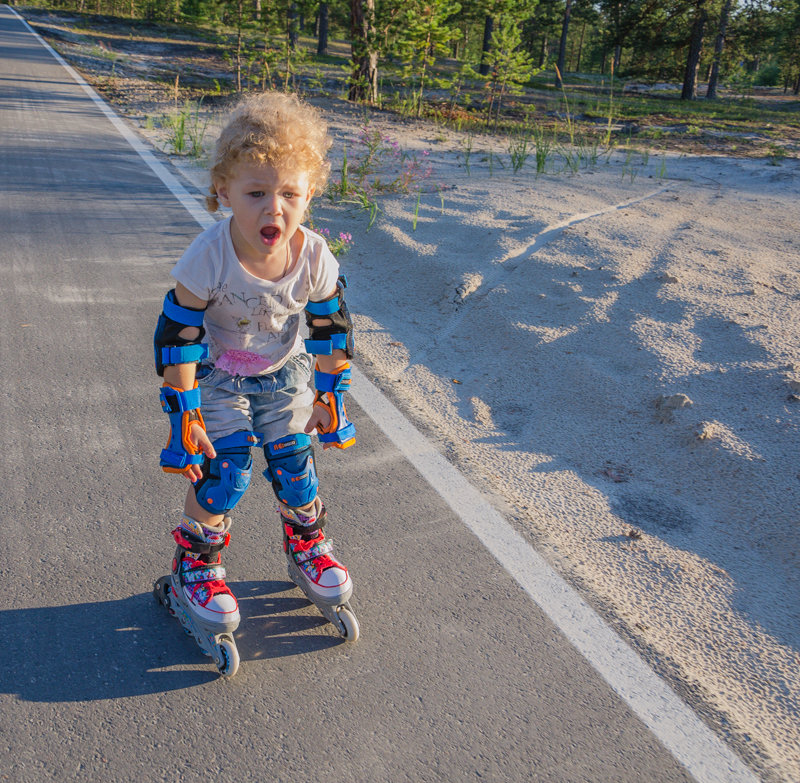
x,y
169,347
337,333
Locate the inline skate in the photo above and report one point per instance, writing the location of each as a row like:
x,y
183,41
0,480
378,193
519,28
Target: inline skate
x,y
324,580
195,592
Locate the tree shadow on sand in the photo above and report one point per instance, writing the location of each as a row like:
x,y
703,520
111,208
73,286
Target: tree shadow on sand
x,y
566,354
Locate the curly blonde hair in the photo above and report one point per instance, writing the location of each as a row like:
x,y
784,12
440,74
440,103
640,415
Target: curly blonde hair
x,y
273,128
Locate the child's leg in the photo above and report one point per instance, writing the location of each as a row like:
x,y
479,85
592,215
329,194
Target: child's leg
x,y
285,407
204,529
191,508
290,467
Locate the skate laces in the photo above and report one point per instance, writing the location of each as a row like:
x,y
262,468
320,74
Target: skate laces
x,y
203,580
310,549
312,555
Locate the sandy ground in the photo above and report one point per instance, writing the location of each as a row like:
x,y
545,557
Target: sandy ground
x,y
612,356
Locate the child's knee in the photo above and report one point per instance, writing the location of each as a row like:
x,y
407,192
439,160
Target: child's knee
x,y
227,476
290,468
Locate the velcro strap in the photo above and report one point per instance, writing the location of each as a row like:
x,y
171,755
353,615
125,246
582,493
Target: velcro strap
x,y
324,547
321,309
183,315
342,437
203,574
177,401
188,541
327,347
184,354
179,460
332,382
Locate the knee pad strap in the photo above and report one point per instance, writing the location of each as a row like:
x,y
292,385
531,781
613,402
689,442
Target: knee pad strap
x,y
227,476
290,468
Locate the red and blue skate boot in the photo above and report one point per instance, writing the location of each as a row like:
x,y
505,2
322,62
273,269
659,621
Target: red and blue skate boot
x,y
196,593
312,567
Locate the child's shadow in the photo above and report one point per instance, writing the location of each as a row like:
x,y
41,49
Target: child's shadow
x,y
132,646
272,626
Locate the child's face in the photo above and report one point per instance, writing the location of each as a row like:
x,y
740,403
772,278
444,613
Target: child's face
x,y
268,205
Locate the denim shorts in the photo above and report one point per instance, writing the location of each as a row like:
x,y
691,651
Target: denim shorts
x,y
273,405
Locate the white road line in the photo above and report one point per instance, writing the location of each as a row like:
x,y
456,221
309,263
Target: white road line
x,y
704,755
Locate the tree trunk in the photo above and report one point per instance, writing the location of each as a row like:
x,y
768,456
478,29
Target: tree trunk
x,y
711,93
617,58
689,91
257,10
562,46
580,47
238,53
292,25
364,75
322,40
488,28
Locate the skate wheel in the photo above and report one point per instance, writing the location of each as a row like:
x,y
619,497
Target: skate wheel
x,y
161,593
349,622
227,657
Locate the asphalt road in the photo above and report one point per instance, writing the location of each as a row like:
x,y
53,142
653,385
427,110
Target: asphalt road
x,y
458,674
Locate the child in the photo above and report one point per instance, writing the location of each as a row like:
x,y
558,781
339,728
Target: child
x,y
243,283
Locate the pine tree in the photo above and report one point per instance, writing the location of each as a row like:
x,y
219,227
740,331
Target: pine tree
x,y
562,45
425,35
510,67
719,43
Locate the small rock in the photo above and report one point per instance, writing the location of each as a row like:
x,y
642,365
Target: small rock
x,y
706,430
667,405
673,402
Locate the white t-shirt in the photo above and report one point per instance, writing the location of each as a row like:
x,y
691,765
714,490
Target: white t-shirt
x,y
253,325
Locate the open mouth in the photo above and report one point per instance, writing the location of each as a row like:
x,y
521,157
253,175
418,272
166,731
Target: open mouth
x,y
270,234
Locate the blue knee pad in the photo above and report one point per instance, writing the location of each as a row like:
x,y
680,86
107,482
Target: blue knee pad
x,y
227,476
290,468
